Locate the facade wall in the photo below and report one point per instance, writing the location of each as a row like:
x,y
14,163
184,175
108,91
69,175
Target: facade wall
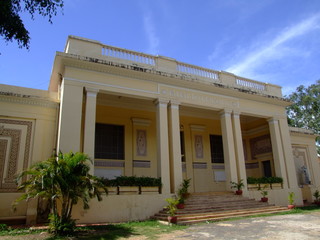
x,y
305,159
134,121
28,120
155,99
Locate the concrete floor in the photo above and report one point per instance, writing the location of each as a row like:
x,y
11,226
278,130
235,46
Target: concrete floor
x,y
285,227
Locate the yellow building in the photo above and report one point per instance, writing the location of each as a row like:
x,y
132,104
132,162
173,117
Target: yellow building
x,y
143,115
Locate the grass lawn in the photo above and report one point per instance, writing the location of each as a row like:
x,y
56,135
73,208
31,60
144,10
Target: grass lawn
x,y
145,230
149,229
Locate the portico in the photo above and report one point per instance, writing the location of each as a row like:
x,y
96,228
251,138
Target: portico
x,y
163,107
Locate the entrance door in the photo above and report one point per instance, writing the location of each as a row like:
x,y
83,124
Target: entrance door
x,y
202,172
267,168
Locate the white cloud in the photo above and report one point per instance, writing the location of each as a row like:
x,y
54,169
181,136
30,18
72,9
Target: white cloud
x,y
152,37
275,48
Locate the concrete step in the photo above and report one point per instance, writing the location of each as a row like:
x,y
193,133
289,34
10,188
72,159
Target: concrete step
x,y
204,217
203,207
216,209
217,213
229,216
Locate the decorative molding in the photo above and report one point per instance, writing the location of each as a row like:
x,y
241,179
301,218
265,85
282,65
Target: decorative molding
x,y
106,163
141,164
28,100
301,130
92,92
199,165
174,104
273,120
260,145
252,165
141,122
301,161
198,146
197,128
141,141
8,181
214,166
225,113
182,94
129,69
160,102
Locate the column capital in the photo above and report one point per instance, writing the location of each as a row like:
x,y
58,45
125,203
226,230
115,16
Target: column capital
x,y
161,102
91,92
273,120
174,104
236,114
225,113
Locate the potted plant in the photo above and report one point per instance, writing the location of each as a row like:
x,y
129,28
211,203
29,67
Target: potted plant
x,y
238,185
180,204
264,194
172,209
291,200
183,191
316,195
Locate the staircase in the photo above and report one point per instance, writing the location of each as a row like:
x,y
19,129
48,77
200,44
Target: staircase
x,y
214,206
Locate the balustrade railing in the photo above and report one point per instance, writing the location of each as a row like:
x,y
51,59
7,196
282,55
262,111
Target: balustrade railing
x,y
96,49
251,84
128,55
194,70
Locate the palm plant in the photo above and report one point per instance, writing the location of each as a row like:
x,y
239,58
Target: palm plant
x,y
62,180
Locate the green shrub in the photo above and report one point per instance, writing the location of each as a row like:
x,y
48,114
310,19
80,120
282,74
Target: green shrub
x,y
133,181
252,180
264,180
4,227
60,227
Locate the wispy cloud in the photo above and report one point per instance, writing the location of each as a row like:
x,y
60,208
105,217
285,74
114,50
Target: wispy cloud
x,y
150,31
276,47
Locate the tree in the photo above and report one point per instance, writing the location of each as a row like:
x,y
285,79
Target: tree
x,y
11,25
305,112
62,180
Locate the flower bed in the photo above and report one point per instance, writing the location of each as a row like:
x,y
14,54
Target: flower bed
x,y
264,182
133,185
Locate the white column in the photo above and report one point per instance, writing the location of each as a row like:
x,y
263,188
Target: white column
x,y
287,152
90,124
175,148
228,148
70,118
163,144
277,151
239,148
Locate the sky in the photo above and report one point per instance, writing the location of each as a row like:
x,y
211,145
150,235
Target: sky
x,y
272,41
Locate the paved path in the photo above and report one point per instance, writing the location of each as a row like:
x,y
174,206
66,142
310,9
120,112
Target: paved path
x,y
285,227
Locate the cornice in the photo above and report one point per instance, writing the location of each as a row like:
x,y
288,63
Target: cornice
x,y
149,73
28,100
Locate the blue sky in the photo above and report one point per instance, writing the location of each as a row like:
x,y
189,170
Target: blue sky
x,y
273,41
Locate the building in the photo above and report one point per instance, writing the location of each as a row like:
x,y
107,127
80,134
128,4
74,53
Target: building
x,y
144,115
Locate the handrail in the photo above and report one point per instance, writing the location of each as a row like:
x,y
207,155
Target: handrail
x,y
128,55
195,70
243,82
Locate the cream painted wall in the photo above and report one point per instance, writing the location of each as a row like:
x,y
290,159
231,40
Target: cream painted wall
x,y
304,142
39,109
121,208
201,179
125,117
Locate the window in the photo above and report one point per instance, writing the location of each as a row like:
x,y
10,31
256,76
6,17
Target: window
x,y
183,157
216,147
109,141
